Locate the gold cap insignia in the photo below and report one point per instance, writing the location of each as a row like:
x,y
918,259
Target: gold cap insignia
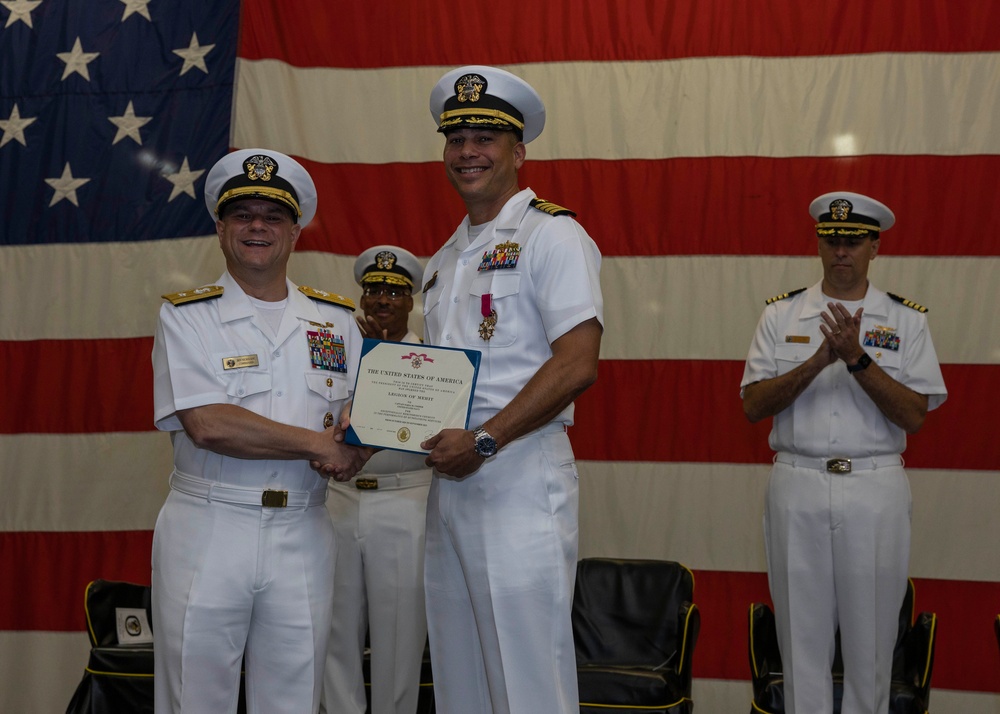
x,y
260,167
470,88
385,260
840,210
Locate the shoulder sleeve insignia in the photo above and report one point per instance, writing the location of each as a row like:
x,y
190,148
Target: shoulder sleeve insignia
x,y
324,296
550,208
908,303
209,291
776,298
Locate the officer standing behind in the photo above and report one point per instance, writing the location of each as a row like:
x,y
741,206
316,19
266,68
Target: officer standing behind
x,y
518,281
379,521
847,371
248,375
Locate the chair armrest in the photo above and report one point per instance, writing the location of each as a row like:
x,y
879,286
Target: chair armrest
x,y
688,627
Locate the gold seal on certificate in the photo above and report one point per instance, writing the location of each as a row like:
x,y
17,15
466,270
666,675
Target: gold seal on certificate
x,y
407,393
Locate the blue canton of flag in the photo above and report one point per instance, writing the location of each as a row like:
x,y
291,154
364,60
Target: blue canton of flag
x,y
111,113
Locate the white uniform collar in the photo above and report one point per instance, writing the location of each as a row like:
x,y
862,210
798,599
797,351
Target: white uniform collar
x,y
875,303
509,219
234,304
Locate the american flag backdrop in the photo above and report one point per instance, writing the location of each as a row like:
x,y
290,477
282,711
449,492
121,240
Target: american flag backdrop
x,y
689,136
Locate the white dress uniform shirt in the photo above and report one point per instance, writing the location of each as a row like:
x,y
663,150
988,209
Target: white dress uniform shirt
x,y
834,416
502,543
231,576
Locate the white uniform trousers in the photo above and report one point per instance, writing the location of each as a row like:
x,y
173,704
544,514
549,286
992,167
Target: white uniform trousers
x,y
232,578
838,548
380,588
499,573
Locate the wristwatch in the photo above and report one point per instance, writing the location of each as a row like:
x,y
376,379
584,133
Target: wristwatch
x,y
486,445
863,361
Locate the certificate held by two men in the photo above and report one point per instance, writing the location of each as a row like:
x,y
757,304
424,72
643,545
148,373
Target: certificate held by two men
x,y
407,393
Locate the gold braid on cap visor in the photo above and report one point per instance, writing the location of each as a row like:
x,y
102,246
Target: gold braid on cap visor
x,y
479,116
390,278
275,194
835,228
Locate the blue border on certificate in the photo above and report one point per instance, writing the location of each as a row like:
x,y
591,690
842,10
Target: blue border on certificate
x,y
474,357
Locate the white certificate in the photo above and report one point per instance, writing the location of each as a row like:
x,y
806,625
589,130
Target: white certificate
x,y
407,393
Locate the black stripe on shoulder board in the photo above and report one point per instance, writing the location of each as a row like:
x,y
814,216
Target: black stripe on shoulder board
x,y
550,208
908,303
776,298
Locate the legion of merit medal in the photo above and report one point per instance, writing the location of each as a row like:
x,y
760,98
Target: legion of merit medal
x,y
489,323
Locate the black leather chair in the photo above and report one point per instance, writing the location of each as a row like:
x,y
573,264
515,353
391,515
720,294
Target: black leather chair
x,y
912,662
635,627
118,678
119,675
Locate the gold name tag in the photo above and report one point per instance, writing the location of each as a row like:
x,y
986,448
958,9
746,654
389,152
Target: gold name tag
x,y
242,361
801,339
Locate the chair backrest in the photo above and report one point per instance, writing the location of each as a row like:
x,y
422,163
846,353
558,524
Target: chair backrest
x,y
111,607
631,611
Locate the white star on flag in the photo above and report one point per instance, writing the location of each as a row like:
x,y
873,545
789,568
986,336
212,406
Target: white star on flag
x,y
77,60
194,55
65,187
20,10
183,181
13,127
133,7
128,125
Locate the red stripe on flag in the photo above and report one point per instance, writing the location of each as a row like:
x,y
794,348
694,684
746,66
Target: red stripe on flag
x,y
318,33
77,386
47,573
690,411
700,418
684,206
54,569
965,656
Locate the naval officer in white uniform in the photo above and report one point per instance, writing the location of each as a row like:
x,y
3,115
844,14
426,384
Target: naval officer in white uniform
x,y
518,281
249,375
847,371
379,520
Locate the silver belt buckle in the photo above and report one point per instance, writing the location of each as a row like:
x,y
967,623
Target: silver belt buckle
x,y
839,466
274,499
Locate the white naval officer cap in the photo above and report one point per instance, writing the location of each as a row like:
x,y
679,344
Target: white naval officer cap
x,y
845,213
264,174
482,97
388,264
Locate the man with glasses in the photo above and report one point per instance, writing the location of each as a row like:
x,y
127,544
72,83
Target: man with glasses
x,y
379,521
847,371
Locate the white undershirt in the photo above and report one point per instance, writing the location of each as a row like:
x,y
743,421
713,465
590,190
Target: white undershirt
x,y
270,312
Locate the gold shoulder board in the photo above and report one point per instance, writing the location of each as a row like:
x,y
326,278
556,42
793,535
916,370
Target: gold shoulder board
x,y
908,303
776,298
209,291
550,208
323,295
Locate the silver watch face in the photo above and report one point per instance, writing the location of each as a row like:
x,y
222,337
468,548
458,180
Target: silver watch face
x,y
486,445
